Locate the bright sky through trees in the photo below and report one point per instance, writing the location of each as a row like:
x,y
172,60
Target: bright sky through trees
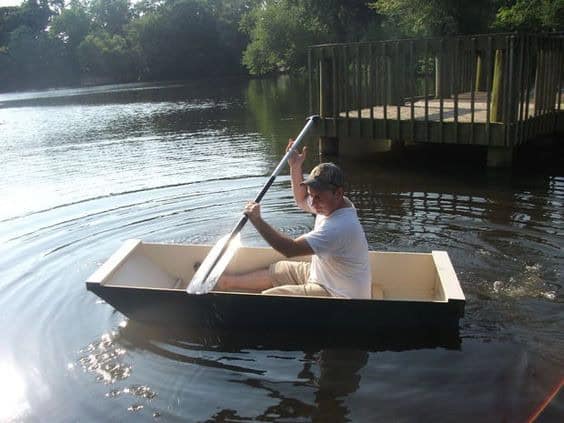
x,y
4,3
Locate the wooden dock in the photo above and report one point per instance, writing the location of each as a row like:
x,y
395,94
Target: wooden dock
x,y
497,91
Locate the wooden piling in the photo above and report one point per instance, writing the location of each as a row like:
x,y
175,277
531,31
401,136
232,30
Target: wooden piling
x,y
497,88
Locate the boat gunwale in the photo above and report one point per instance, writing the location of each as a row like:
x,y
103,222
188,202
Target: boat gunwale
x,y
90,285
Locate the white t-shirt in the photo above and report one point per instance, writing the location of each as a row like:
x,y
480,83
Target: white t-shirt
x,y
340,263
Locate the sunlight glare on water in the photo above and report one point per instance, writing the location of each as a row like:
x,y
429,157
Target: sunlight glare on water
x,y
13,401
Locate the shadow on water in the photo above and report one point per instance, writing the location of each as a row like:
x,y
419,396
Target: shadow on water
x,y
330,365
140,335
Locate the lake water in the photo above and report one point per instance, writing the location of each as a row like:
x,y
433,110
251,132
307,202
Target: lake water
x,y
85,169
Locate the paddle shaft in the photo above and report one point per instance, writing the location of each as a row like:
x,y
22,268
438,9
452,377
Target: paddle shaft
x,y
310,122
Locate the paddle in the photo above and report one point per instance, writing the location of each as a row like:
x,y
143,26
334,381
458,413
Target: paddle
x,y
222,252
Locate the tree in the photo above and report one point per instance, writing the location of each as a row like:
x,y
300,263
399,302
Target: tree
x,y
35,14
72,25
34,60
108,55
111,15
180,40
347,20
531,15
435,17
280,32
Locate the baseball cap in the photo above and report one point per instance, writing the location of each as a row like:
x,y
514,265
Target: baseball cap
x,y
325,176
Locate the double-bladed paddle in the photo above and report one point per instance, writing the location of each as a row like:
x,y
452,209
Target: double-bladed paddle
x,y
222,252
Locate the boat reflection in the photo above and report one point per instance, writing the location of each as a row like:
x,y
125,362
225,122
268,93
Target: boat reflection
x,y
136,335
329,367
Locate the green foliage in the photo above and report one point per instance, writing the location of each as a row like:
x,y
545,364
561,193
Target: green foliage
x,y
35,15
280,32
180,40
33,60
110,15
48,42
435,17
347,20
531,15
72,25
108,55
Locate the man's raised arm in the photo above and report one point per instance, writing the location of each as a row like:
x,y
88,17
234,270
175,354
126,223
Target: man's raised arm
x,y
296,161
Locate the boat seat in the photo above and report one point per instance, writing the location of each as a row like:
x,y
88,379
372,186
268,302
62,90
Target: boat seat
x,y
377,292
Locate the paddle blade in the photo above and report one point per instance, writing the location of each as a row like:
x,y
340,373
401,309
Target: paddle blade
x,y
213,266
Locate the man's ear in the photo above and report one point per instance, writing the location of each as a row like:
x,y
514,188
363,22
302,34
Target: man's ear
x,y
340,191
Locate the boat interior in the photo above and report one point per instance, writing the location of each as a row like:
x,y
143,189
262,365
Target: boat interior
x,y
395,275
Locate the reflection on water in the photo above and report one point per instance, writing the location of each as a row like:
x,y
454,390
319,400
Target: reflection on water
x,y
328,368
13,402
83,170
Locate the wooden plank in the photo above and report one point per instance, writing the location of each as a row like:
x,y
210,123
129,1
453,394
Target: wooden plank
x,y
346,85
544,85
473,81
521,90
343,85
497,87
526,129
335,87
442,82
536,88
547,103
385,87
553,84
425,74
507,80
372,87
560,64
398,77
310,80
489,71
412,63
358,87
553,93
456,87
334,83
479,70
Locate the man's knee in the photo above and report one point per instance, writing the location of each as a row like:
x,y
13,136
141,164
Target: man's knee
x,y
285,290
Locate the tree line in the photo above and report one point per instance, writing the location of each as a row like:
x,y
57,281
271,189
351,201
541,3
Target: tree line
x,y
46,43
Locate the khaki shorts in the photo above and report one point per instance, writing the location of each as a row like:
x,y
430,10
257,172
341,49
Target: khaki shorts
x,y
291,278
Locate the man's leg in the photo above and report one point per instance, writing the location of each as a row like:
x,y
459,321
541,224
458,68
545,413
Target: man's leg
x,y
256,281
307,290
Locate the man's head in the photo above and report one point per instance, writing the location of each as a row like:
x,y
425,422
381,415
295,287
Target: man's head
x,y
325,188
325,176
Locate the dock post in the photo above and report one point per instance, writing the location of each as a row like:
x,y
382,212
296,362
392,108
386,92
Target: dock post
x,y
438,76
478,84
327,145
496,110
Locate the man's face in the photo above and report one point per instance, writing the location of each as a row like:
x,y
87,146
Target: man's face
x,y
325,202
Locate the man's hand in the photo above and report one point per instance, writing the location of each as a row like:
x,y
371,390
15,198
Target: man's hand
x,y
252,211
277,240
296,159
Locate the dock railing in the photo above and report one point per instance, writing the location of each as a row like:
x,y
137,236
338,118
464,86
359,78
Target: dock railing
x,y
495,90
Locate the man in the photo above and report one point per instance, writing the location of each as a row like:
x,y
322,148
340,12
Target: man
x,y
339,267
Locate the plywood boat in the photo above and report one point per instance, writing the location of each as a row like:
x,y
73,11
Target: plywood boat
x,y
147,282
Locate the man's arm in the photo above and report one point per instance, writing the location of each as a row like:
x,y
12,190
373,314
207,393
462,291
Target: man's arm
x,y
287,246
299,191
